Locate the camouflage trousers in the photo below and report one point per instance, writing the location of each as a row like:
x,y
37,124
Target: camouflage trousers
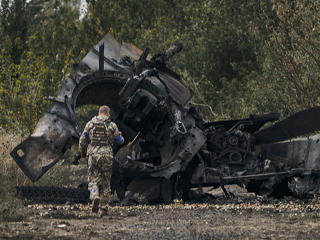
x,y
99,175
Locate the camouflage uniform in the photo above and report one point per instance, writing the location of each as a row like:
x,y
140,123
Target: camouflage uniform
x,y
96,140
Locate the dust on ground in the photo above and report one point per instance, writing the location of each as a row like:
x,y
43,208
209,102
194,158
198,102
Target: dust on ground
x,y
218,219
210,216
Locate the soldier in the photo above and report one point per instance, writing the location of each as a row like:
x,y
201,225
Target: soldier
x,y
96,141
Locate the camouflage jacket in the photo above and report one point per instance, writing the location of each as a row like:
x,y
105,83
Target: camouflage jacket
x,y
114,135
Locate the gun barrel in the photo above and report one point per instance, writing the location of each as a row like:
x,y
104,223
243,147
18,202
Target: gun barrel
x,y
174,49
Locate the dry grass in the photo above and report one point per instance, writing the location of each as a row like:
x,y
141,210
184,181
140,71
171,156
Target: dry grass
x,y
11,176
7,165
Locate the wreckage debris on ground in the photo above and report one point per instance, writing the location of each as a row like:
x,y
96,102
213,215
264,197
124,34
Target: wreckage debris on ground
x,y
170,148
225,219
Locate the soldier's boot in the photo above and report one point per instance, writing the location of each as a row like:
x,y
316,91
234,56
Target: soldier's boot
x,y
95,205
103,212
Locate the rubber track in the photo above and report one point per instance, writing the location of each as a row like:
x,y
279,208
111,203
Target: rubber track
x,y
55,195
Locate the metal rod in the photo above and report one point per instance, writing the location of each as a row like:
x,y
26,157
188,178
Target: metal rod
x,y
101,58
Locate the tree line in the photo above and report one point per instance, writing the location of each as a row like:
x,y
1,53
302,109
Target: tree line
x,y
239,57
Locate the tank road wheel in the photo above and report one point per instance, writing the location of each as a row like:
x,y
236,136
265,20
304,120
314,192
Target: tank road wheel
x,y
166,190
121,192
181,186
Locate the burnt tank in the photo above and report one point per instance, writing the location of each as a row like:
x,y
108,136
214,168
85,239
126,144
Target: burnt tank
x,y
170,148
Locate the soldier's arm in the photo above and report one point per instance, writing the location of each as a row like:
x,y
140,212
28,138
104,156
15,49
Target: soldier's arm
x,y
84,140
117,134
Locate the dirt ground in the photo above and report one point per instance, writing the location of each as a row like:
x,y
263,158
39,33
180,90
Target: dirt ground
x,y
218,219
210,216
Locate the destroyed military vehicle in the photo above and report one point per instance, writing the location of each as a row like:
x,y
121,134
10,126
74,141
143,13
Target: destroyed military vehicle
x,y
169,147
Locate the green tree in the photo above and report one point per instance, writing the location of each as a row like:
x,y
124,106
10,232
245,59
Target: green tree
x,y
290,31
239,57
51,44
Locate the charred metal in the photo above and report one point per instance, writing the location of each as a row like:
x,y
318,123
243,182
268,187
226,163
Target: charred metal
x,y
170,148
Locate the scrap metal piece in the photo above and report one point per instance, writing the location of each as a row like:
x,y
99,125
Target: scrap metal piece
x,y
299,124
45,147
300,152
